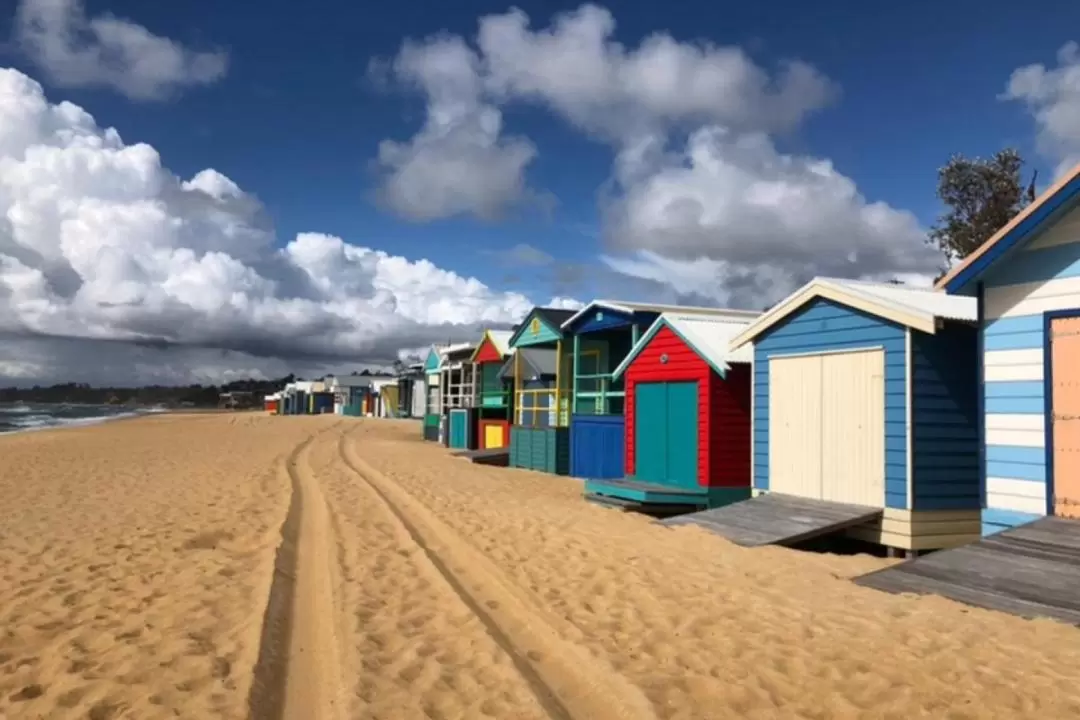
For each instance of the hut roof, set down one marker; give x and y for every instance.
(917, 308)
(709, 335)
(537, 362)
(635, 307)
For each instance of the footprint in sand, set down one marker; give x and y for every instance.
(28, 693)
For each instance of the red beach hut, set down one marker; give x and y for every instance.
(687, 438)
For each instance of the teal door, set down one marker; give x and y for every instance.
(650, 441)
(666, 433)
(458, 427)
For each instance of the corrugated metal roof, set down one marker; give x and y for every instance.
(711, 335)
(554, 317)
(501, 340)
(924, 300)
(445, 350)
(633, 307)
(536, 362)
(708, 334)
(917, 308)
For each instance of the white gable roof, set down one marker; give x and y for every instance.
(501, 340)
(708, 334)
(916, 308)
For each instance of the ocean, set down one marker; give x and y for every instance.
(37, 416)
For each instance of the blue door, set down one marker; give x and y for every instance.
(665, 433)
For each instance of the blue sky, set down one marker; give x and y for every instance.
(297, 118)
(297, 121)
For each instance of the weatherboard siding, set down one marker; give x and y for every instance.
(683, 364)
(545, 334)
(729, 436)
(825, 326)
(945, 419)
(1041, 277)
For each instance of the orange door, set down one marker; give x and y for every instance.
(1065, 405)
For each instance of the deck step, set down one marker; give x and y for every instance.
(611, 502)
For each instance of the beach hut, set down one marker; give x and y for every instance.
(301, 394)
(865, 398)
(288, 399)
(494, 396)
(687, 412)
(348, 392)
(1026, 279)
(602, 334)
(539, 368)
(432, 393)
(410, 391)
(270, 403)
(458, 388)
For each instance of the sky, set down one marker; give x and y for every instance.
(192, 192)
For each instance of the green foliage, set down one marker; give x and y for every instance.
(980, 196)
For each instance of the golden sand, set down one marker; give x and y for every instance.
(137, 563)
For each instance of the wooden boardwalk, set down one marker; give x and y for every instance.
(775, 519)
(499, 457)
(1031, 571)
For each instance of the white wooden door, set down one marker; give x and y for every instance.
(795, 425)
(853, 428)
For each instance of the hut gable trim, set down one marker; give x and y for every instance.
(707, 335)
(1058, 198)
(552, 318)
(914, 308)
(433, 360)
(629, 308)
(498, 340)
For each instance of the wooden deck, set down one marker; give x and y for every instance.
(774, 519)
(630, 494)
(499, 457)
(1032, 571)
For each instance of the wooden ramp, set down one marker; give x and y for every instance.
(1032, 571)
(499, 457)
(774, 519)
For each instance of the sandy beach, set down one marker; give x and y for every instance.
(323, 568)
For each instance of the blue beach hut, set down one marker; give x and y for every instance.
(864, 394)
(1026, 279)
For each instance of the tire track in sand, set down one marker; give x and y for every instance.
(296, 674)
(568, 681)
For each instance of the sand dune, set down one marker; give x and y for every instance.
(137, 564)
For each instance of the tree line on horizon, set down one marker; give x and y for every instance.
(195, 395)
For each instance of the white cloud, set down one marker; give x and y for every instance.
(99, 241)
(458, 164)
(106, 51)
(728, 217)
(1052, 96)
(578, 69)
(731, 219)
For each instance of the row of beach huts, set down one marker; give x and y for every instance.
(932, 417)
(400, 395)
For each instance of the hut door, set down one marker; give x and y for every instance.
(665, 434)
(795, 426)
(1065, 417)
